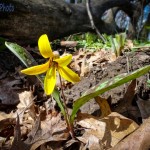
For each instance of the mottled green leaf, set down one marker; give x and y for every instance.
(27, 59)
(106, 86)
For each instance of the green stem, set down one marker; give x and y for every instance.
(69, 124)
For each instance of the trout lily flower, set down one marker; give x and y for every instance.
(54, 63)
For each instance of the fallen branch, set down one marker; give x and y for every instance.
(92, 22)
(27, 20)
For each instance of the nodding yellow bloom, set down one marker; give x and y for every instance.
(54, 63)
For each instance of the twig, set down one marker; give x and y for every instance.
(92, 22)
(128, 65)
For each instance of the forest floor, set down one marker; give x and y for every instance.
(127, 113)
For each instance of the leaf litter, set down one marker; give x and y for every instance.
(41, 125)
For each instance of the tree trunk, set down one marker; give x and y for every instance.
(23, 21)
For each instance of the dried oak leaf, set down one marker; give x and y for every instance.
(17, 143)
(125, 106)
(49, 130)
(6, 124)
(110, 130)
(26, 105)
(138, 140)
(93, 143)
(104, 106)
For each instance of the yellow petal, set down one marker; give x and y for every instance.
(45, 47)
(64, 61)
(50, 80)
(36, 69)
(68, 74)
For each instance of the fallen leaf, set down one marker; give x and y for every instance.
(5, 116)
(46, 131)
(8, 94)
(84, 61)
(110, 130)
(92, 142)
(50, 130)
(129, 95)
(26, 105)
(26, 100)
(138, 140)
(129, 44)
(17, 143)
(104, 106)
(6, 124)
(84, 67)
(73, 143)
(2, 140)
(144, 106)
(125, 106)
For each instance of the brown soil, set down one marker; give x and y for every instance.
(127, 63)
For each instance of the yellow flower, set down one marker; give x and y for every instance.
(54, 63)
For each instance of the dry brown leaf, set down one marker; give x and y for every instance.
(6, 127)
(26, 105)
(84, 67)
(84, 61)
(138, 140)
(104, 106)
(17, 143)
(144, 106)
(125, 106)
(26, 100)
(5, 116)
(129, 44)
(77, 60)
(92, 142)
(112, 57)
(110, 130)
(8, 94)
(50, 130)
(129, 95)
(97, 57)
(6, 121)
(73, 143)
(2, 140)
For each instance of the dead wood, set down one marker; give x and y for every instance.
(24, 21)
